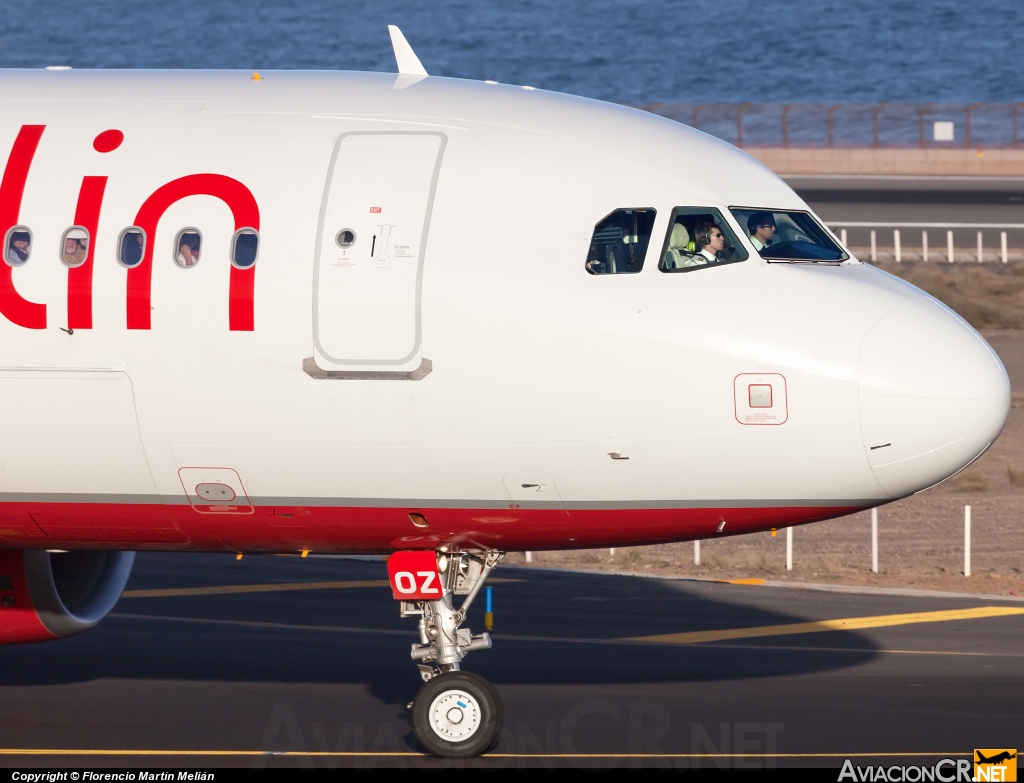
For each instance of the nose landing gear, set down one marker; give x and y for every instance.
(455, 714)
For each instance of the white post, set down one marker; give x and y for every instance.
(842, 236)
(980, 250)
(611, 552)
(874, 247)
(924, 245)
(529, 557)
(696, 552)
(967, 540)
(949, 245)
(896, 244)
(789, 549)
(1002, 244)
(874, 540)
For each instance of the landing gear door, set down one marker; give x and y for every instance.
(371, 246)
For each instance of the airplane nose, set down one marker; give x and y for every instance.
(933, 396)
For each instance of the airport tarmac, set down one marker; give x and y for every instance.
(303, 662)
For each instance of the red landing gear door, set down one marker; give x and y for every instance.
(414, 576)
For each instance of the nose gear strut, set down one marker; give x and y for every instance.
(455, 714)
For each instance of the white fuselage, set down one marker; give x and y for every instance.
(469, 370)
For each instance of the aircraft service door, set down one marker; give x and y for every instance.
(371, 244)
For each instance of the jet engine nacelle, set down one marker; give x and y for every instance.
(50, 595)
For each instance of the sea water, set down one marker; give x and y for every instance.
(631, 51)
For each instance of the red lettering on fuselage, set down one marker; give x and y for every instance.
(242, 282)
(16, 308)
(87, 215)
(31, 315)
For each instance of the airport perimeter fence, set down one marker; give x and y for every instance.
(939, 242)
(854, 125)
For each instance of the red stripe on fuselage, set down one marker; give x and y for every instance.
(246, 213)
(326, 529)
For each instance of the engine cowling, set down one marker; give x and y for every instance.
(51, 595)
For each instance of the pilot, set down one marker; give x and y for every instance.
(20, 248)
(761, 226)
(76, 247)
(711, 241)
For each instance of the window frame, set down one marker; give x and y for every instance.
(847, 256)
(120, 243)
(7, 245)
(740, 247)
(177, 244)
(234, 241)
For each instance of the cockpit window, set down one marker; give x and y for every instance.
(698, 238)
(620, 242)
(788, 236)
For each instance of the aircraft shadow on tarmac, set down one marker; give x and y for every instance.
(299, 636)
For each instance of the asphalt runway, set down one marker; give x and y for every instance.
(285, 661)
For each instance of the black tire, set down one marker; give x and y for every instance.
(451, 726)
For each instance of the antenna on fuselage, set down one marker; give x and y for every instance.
(408, 63)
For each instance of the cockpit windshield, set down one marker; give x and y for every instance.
(788, 236)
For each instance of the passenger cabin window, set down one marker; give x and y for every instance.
(186, 247)
(699, 238)
(74, 246)
(18, 246)
(620, 242)
(788, 235)
(245, 247)
(130, 247)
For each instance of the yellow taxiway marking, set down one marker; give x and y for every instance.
(742, 581)
(818, 626)
(543, 639)
(265, 588)
(382, 754)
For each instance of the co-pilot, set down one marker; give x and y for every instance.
(761, 226)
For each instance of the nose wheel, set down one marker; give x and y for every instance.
(456, 715)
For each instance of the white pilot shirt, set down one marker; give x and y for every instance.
(708, 256)
(758, 244)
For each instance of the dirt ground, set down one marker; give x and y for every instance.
(921, 538)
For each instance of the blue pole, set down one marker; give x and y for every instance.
(488, 608)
